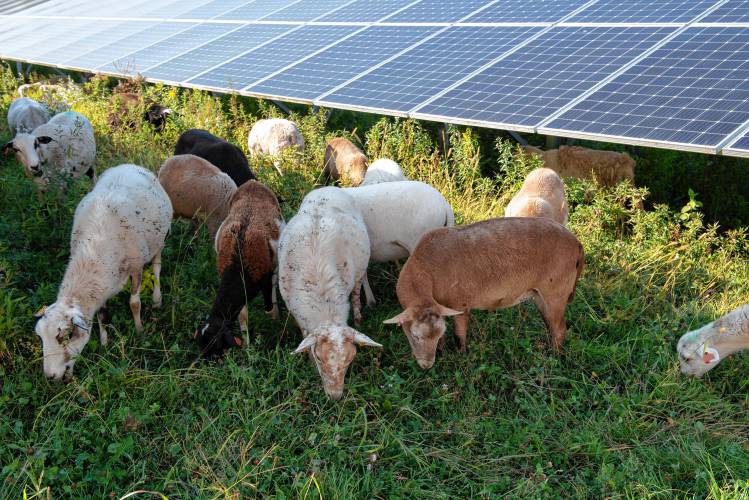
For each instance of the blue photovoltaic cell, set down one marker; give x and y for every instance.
(212, 9)
(741, 145)
(545, 75)
(526, 11)
(255, 10)
(365, 11)
(96, 42)
(196, 61)
(44, 38)
(425, 70)
(437, 11)
(642, 11)
(335, 65)
(140, 61)
(693, 90)
(733, 11)
(175, 9)
(305, 10)
(276, 55)
(131, 42)
(83, 40)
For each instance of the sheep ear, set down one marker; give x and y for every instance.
(362, 340)
(45, 139)
(80, 323)
(407, 315)
(710, 355)
(446, 311)
(40, 312)
(307, 343)
(167, 111)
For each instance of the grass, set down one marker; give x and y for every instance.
(608, 417)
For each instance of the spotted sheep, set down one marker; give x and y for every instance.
(118, 228)
(542, 195)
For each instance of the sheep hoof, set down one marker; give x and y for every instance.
(273, 313)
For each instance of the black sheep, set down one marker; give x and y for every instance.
(223, 154)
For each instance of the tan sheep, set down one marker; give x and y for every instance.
(608, 168)
(542, 195)
(344, 161)
(198, 190)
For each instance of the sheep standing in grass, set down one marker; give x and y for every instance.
(542, 195)
(63, 148)
(198, 190)
(344, 161)
(272, 136)
(246, 260)
(488, 265)
(322, 258)
(125, 103)
(397, 215)
(118, 228)
(608, 168)
(701, 350)
(223, 154)
(383, 170)
(25, 114)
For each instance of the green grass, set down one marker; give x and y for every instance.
(608, 417)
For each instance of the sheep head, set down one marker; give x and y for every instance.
(214, 337)
(424, 326)
(64, 331)
(30, 151)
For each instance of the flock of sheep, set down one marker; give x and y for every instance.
(319, 258)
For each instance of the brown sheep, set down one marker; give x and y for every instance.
(344, 161)
(198, 190)
(488, 265)
(542, 195)
(124, 103)
(608, 168)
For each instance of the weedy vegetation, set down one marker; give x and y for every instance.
(608, 417)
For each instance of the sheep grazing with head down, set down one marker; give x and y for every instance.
(272, 136)
(118, 228)
(25, 114)
(198, 190)
(322, 258)
(223, 154)
(126, 103)
(608, 168)
(383, 170)
(488, 265)
(345, 162)
(246, 260)
(542, 195)
(63, 148)
(701, 350)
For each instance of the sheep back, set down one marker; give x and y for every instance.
(73, 149)
(344, 161)
(271, 136)
(25, 114)
(542, 195)
(221, 153)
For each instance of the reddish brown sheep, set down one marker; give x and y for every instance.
(608, 168)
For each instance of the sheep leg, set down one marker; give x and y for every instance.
(368, 291)
(243, 326)
(461, 329)
(135, 281)
(103, 316)
(553, 314)
(277, 164)
(269, 296)
(156, 263)
(356, 302)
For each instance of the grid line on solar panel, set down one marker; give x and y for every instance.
(367, 10)
(201, 59)
(82, 41)
(732, 11)
(738, 148)
(643, 11)
(335, 65)
(271, 57)
(692, 90)
(45, 37)
(551, 71)
(255, 10)
(307, 10)
(514, 11)
(211, 9)
(429, 67)
(430, 11)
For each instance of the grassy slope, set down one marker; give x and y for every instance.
(609, 417)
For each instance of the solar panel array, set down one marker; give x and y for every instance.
(664, 73)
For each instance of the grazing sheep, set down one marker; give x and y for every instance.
(322, 258)
(344, 161)
(702, 349)
(223, 154)
(272, 136)
(542, 195)
(118, 228)
(488, 265)
(383, 170)
(53, 96)
(125, 103)
(43, 88)
(25, 114)
(62, 148)
(198, 190)
(246, 260)
(608, 168)
(397, 215)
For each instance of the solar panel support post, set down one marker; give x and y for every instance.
(445, 138)
(19, 68)
(552, 142)
(518, 138)
(282, 106)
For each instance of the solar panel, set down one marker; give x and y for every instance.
(526, 11)
(272, 57)
(175, 9)
(196, 61)
(335, 65)
(365, 11)
(693, 90)
(642, 11)
(83, 40)
(733, 11)
(305, 10)
(47, 35)
(545, 75)
(211, 9)
(418, 74)
(739, 148)
(437, 11)
(16, 6)
(253, 11)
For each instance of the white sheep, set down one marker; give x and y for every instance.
(62, 148)
(322, 257)
(118, 228)
(198, 190)
(397, 214)
(542, 195)
(383, 170)
(25, 114)
(701, 350)
(272, 136)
